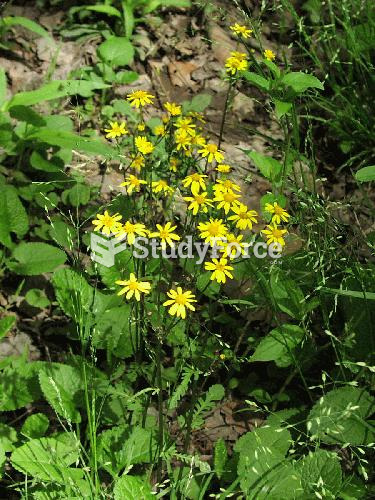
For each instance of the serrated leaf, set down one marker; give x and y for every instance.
(278, 345)
(31, 259)
(8, 436)
(301, 81)
(340, 417)
(13, 216)
(132, 488)
(35, 426)
(19, 385)
(116, 51)
(48, 459)
(321, 468)
(62, 387)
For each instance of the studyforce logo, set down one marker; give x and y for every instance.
(105, 248)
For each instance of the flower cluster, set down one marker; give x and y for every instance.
(175, 156)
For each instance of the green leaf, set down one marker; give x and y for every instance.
(123, 446)
(268, 167)
(37, 298)
(28, 115)
(13, 217)
(116, 336)
(68, 140)
(62, 233)
(198, 104)
(321, 469)
(132, 488)
(256, 80)
(116, 51)
(55, 90)
(340, 417)
(8, 436)
(36, 258)
(26, 23)
(365, 174)
(220, 457)
(48, 458)
(39, 162)
(282, 108)
(19, 385)
(35, 426)
(62, 387)
(273, 67)
(6, 324)
(287, 294)
(301, 81)
(3, 86)
(278, 345)
(102, 9)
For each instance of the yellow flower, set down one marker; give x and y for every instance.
(137, 162)
(243, 217)
(195, 181)
(132, 183)
(173, 108)
(166, 234)
(179, 301)
(198, 202)
(143, 145)
(141, 127)
(107, 223)
(116, 130)
(140, 98)
(234, 64)
(212, 153)
(198, 140)
(226, 200)
(223, 168)
(212, 229)
(241, 56)
(232, 245)
(197, 116)
(165, 119)
(269, 55)
(131, 230)
(274, 234)
(159, 130)
(220, 269)
(226, 185)
(240, 30)
(186, 125)
(162, 186)
(173, 164)
(134, 287)
(279, 214)
(182, 139)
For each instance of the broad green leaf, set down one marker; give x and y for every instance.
(62, 387)
(123, 446)
(77, 195)
(132, 488)
(220, 457)
(19, 385)
(39, 162)
(273, 67)
(62, 233)
(37, 298)
(278, 345)
(36, 258)
(102, 9)
(366, 174)
(35, 426)
(256, 80)
(6, 324)
(301, 81)
(55, 90)
(8, 436)
(268, 167)
(13, 217)
(114, 335)
(26, 23)
(68, 140)
(282, 108)
(198, 104)
(340, 417)
(117, 51)
(321, 469)
(28, 115)
(48, 459)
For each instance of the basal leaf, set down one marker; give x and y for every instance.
(36, 258)
(366, 174)
(117, 51)
(35, 426)
(132, 488)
